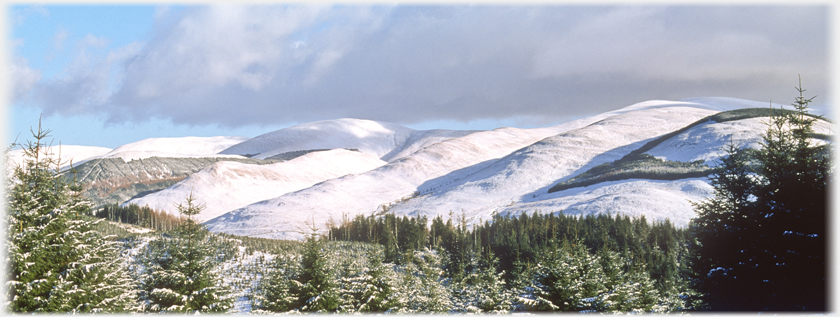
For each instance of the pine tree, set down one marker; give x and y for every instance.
(762, 238)
(376, 290)
(569, 279)
(56, 261)
(482, 289)
(179, 275)
(317, 291)
(276, 292)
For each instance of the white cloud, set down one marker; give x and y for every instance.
(23, 78)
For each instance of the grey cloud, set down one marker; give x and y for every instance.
(251, 65)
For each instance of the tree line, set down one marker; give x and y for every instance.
(145, 216)
(517, 242)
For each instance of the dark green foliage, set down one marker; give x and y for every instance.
(394, 233)
(661, 246)
(643, 166)
(377, 291)
(265, 245)
(761, 240)
(316, 289)
(178, 274)
(573, 279)
(277, 291)
(56, 261)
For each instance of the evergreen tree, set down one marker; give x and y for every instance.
(376, 289)
(317, 290)
(762, 236)
(568, 279)
(482, 289)
(55, 261)
(276, 292)
(179, 275)
(420, 285)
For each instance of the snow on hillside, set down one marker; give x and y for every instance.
(75, 154)
(653, 199)
(436, 165)
(284, 216)
(659, 200)
(175, 147)
(708, 140)
(420, 139)
(225, 186)
(373, 137)
(509, 170)
(530, 171)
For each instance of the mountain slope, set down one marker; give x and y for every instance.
(75, 154)
(509, 171)
(175, 147)
(114, 180)
(373, 137)
(657, 200)
(436, 165)
(227, 185)
(532, 169)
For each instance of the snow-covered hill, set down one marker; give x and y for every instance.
(533, 169)
(228, 185)
(436, 166)
(175, 147)
(347, 167)
(509, 170)
(373, 137)
(67, 154)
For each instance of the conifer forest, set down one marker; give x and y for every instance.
(758, 244)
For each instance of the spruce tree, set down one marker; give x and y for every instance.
(568, 279)
(316, 288)
(762, 238)
(482, 289)
(276, 292)
(179, 275)
(376, 285)
(56, 261)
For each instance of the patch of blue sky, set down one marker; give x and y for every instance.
(46, 38)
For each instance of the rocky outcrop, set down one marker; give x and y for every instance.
(113, 180)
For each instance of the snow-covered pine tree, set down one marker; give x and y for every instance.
(178, 269)
(419, 286)
(56, 261)
(569, 279)
(629, 286)
(482, 289)
(317, 290)
(276, 292)
(377, 287)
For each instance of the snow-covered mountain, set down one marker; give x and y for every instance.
(385, 140)
(227, 185)
(175, 147)
(509, 171)
(67, 154)
(276, 184)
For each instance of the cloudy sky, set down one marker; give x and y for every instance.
(110, 75)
